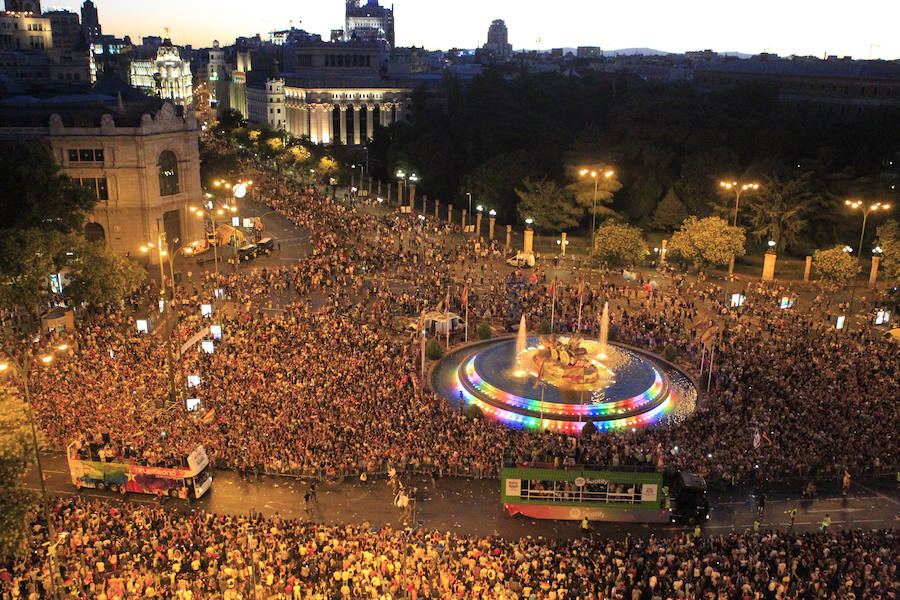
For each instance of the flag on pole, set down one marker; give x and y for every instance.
(210, 416)
(709, 334)
(540, 374)
(756, 438)
(465, 295)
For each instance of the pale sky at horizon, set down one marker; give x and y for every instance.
(784, 27)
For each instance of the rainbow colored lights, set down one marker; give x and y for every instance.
(641, 410)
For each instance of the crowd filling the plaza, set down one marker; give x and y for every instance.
(314, 377)
(116, 551)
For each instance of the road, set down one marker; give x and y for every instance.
(472, 506)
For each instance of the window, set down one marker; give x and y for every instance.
(97, 185)
(168, 173)
(86, 155)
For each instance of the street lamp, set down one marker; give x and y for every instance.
(401, 178)
(23, 371)
(212, 216)
(738, 188)
(595, 175)
(162, 291)
(865, 209)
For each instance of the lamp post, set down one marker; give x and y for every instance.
(469, 212)
(738, 188)
(162, 293)
(401, 183)
(595, 175)
(866, 209)
(23, 370)
(480, 210)
(212, 217)
(492, 220)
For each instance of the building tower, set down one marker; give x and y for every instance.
(90, 23)
(369, 22)
(24, 6)
(497, 39)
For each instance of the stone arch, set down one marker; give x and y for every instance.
(94, 232)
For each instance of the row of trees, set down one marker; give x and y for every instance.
(518, 145)
(712, 241)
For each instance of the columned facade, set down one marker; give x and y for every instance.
(313, 112)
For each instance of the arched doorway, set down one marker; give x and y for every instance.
(94, 232)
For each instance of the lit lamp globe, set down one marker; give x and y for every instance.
(240, 190)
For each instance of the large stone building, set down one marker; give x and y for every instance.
(140, 157)
(498, 40)
(90, 21)
(369, 22)
(37, 48)
(330, 92)
(164, 74)
(837, 86)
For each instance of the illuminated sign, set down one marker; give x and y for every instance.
(216, 331)
(840, 322)
(207, 346)
(737, 300)
(193, 380)
(142, 325)
(193, 404)
(206, 310)
(882, 317)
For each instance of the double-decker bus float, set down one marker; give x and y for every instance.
(90, 468)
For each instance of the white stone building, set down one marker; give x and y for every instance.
(166, 75)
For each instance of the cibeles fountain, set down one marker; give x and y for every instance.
(562, 382)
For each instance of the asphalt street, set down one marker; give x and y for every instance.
(472, 506)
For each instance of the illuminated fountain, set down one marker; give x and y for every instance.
(521, 339)
(561, 382)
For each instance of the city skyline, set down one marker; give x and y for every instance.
(700, 24)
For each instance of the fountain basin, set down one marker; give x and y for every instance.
(635, 389)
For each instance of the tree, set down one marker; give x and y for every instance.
(433, 349)
(670, 212)
(780, 209)
(27, 259)
(16, 502)
(584, 177)
(619, 244)
(550, 207)
(327, 167)
(484, 331)
(709, 241)
(889, 242)
(33, 193)
(229, 120)
(834, 265)
(97, 276)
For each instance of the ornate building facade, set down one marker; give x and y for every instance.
(144, 167)
(166, 75)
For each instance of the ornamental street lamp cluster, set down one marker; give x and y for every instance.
(738, 188)
(866, 210)
(595, 175)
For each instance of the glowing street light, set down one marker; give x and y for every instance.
(596, 177)
(866, 209)
(738, 188)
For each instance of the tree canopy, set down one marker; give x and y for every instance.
(548, 204)
(709, 241)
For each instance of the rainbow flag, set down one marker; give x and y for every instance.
(210, 416)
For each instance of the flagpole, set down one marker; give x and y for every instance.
(702, 357)
(422, 342)
(467, 321)
(552, 303)
(447, 317)
(580, 299)
(712, 358)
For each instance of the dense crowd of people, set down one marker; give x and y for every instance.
(314, 377)
(124, 552)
